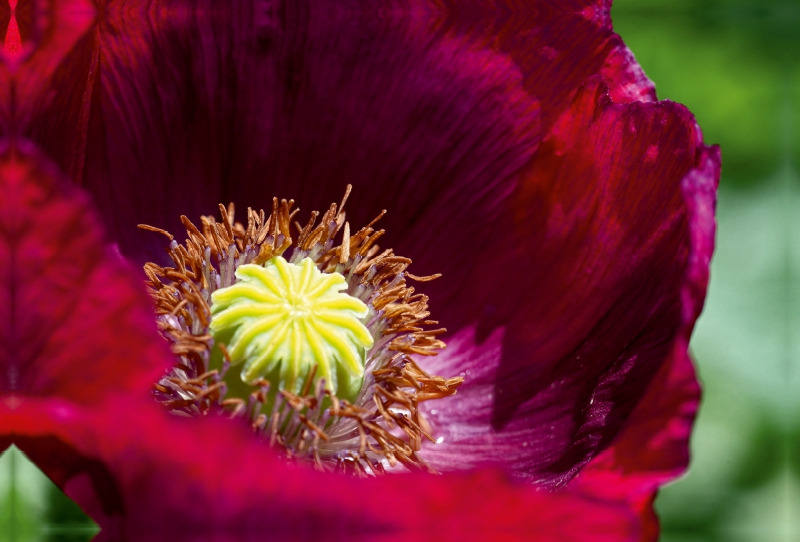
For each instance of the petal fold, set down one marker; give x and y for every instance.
(594, 275)
(653, 446)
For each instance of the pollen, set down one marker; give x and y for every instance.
(285, 319)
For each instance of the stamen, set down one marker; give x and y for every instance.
(333, 326)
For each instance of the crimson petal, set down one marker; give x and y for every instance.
(652, 447)
(196, 105)
(60, 337)
(423, 107)
(596, 271)
(143, 474)
(46, 32)
(150, 477)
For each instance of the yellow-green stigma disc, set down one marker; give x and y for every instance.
(282, 319)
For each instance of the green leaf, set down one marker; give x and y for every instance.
(33, 509)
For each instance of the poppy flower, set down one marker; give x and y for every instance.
(523, 157)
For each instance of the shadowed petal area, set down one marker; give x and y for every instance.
(196, 104)
(60, 336)
(653, 446)
(597, 269)
(424, 107)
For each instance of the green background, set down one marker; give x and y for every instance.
(736, 65)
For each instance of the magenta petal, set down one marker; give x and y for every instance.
(48, 30)
(425, 108)
(595, 271)
(154, 477)
(652, 447)
(557, 45)
(71, 311)
(626, 80)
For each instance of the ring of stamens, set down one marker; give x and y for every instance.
(382, 426)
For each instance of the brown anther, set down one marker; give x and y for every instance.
(191, 229)
(260, 422)
(309, 380)
(347, 190)
(157, 230)
(210, 390)
(224, 350)
(314, 427)
(179, 306)
(344, 254)
(226, 220)
(178, 403)
(423, 279)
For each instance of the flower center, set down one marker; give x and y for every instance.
(281, 320)
(318, 341)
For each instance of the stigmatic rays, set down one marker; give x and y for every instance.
(307, 338)
(281, 320)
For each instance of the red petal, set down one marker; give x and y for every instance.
(152, 477)
(592, 276)
(653, 446)
(144, 474)
(12, 44)
(72, 313)
(556, 44)
(246, 105)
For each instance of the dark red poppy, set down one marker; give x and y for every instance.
(519, 151)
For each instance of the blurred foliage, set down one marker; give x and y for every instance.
(744, 480)
(733, 63)
(33, 509)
